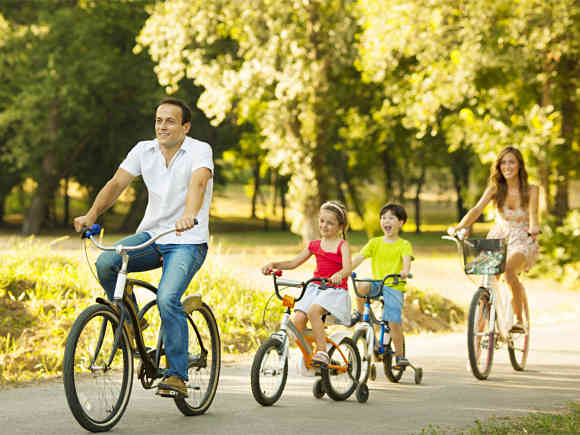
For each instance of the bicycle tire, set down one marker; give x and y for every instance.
(479, 346)
(360, 341)
(340, 385)
(519, 343)
(97, 404)
(392, 372)
(204, 350)
(267, 363)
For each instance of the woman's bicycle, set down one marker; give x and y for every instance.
(372, 350)
(270, 367)
(98, 366)
(491, 315)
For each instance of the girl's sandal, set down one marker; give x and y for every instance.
(320, 359)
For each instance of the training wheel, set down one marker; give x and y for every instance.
(362, 393)
(317, 389)
(418, 375)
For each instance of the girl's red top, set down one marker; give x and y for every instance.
(327, 263)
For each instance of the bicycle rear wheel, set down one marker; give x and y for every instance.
(339, 385)
(97, 392)
(204, 351)
(393, 372)
(269, 372)
(519, 342)
(480, 337)
(360, 341)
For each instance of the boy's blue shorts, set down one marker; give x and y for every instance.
(393, 301)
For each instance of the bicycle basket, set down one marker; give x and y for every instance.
(484, 256)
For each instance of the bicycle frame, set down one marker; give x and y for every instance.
(500, 299)
(124, 306)
(304, 339)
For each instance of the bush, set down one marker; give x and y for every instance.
(559, 253)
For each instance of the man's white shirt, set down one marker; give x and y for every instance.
(168, 187)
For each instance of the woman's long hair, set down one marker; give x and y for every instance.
(498, 180)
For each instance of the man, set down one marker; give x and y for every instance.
(178, 173)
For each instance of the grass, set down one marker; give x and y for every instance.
(535, 423)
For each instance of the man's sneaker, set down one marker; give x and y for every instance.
(171, 386)
(401, 361)
(355, 318)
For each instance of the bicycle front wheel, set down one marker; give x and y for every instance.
(480, 336)
(204, 351)
(366, 356)
(340, 384)
(98, 376)
(269, 372)
(393, 372)
(519, 342)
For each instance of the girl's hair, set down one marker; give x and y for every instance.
(498, 180)
(339, 211)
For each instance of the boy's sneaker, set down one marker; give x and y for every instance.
(355, 318)
(401, 361)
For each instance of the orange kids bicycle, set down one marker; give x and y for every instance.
(270, 367)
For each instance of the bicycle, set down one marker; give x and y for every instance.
(98, 366)
(366, 342)
(270, 366)
(491, 314)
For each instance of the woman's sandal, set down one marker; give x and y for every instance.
(320, 359)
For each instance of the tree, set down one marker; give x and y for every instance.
(283, 61)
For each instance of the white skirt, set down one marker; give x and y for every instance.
(334, 300)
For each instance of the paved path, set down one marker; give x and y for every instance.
(449, 396)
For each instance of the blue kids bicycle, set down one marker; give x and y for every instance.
(370, 349)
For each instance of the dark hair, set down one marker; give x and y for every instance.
(339, 211)
(498, 180)
(396, 209)
(185, 110)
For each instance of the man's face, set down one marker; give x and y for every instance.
(169, 130)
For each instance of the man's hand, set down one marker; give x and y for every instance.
(81, 222)
(184, 223)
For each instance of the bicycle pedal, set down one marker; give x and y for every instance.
(169, 393)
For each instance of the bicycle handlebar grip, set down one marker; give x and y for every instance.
(93, 231)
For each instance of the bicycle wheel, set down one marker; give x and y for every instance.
(366, 358)
(268, 378)
(392, 372)
(204, 351)
(519, 342)
(480, 338)
(97, 392)
(339, 385)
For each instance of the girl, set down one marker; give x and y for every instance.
(333, 261)
(516, 220)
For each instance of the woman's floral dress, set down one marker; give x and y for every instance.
(512, 225)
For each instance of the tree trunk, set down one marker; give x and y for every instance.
(48, 179)
(66, 204)
(47, 184)
(256, 192)
(420, 183)
(388, 170)
(566, 163)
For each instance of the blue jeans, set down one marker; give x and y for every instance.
(180, 264)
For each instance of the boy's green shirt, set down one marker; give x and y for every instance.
(387, 258)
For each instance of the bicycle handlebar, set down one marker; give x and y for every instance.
(90, 233)
(276, 274)
(394, 276)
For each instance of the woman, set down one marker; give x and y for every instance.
(516, 221)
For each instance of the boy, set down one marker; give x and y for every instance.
(389, 254)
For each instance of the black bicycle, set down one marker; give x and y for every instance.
(98, 366)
